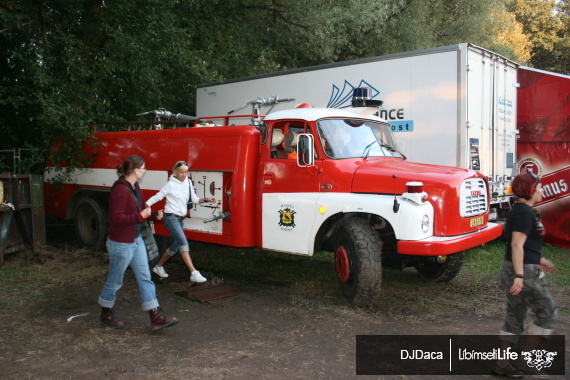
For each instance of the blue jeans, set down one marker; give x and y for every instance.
(121, 256)
(178, 241)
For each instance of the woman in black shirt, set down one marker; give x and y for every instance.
(522, 275)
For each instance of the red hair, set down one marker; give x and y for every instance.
(524, 184)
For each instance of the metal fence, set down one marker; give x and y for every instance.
(11, 159)
(22, 213)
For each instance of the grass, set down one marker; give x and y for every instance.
(486, 259)
(311, 273)
(312, 277)
(476, 289)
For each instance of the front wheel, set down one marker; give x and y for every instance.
(358, 261)
(90, 223)
(443, 272)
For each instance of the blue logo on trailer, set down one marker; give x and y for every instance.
(343, 98)
(505, 102)
(402, 125)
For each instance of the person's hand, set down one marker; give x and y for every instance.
(517, 286)
(546, 265)
(211, 200)
(146, 212)
(160, 215)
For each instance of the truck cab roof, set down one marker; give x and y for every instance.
(313, 114)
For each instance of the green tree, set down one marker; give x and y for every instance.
(257, 36)
(561, 53)
(508, 37)
(543, 23)
(66, 65)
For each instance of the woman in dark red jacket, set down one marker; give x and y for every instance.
(126, 247)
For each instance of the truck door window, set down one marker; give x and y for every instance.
(352, 138)
(277, 144)
(287, 148)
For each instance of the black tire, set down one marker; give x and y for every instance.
(358, 260)
(443, 272)
(90, 221)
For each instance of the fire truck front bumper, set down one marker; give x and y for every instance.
(447, 245)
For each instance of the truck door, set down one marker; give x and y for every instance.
(288, 193)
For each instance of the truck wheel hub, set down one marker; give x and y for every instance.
(342, 264)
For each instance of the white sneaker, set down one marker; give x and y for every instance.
(160, 271)
(197, 277)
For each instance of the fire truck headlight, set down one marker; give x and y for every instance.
(425, 224)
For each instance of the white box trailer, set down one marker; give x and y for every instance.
(452, 105)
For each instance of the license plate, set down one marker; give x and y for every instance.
(476, 221)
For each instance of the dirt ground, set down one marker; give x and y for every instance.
(262, 333)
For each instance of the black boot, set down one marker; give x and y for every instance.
(108, 318)
(159, 321)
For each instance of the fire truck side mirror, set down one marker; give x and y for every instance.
(305, 150)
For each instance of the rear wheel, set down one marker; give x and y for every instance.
(90, 223)
(358, 261)
(443, 272)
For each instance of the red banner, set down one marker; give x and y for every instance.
(556, 185)
(543, 118)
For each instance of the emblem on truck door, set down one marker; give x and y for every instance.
(287, 218)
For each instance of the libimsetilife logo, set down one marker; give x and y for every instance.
(452, 355)
(539, 359)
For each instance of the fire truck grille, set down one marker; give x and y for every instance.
(473, 197)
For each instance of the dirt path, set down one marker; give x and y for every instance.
(260, 334)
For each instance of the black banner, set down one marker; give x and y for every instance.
(453, 355)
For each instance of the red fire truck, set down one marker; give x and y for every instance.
(298, 181)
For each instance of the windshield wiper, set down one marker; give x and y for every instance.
(393, 150)
(366, 151)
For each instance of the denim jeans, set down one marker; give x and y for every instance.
(178, 241)
(121, 256)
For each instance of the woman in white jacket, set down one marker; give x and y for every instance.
(178, 191)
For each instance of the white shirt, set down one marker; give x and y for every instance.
(177, 194)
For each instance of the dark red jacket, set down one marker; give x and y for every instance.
(124, 214)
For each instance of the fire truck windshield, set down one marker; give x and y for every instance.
(353, 138)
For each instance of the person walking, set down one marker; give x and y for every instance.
(126, 246)
(522, 276)
(178, 191)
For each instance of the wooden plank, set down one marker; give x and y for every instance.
(209, 293)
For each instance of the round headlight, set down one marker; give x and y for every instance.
(425, 224)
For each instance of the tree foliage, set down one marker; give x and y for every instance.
(546, 24)
(507, 36)
(68, 65)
